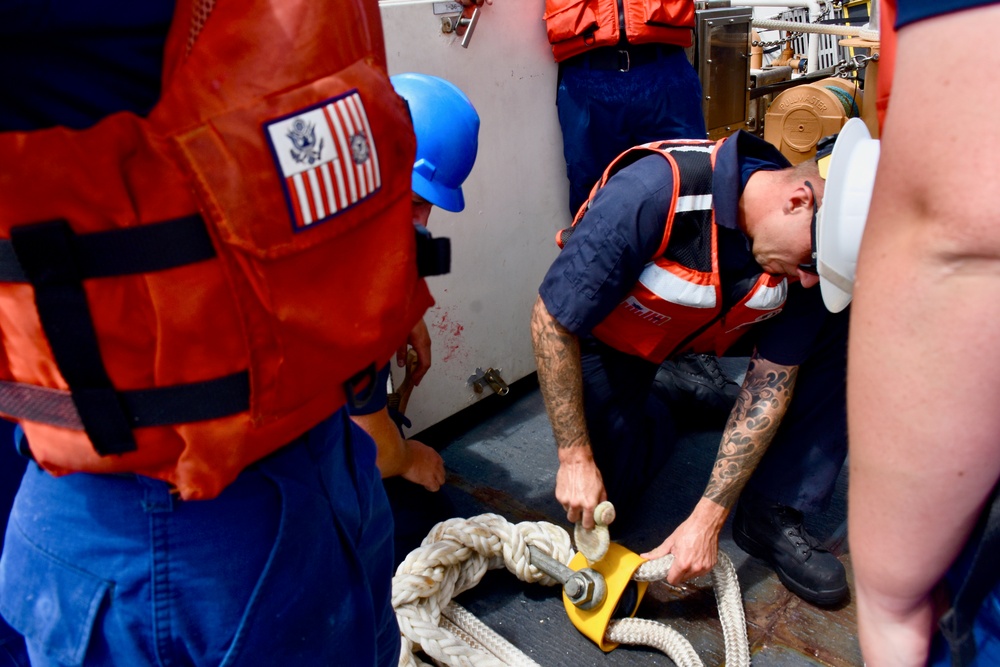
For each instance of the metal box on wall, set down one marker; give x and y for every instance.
(723, 62)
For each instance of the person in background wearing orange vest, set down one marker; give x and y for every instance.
(924, 514)
(447, 130)
(625, 79)
(206, 250)
(689, 247)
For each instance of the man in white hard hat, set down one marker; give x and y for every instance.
(731, 229)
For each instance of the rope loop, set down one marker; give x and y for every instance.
(457, 553)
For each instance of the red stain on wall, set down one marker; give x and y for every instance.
(452, 332)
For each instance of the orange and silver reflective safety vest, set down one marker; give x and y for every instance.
(575, 26)
(184, 294)
(677, 305)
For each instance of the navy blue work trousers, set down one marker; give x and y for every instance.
(604, 111)
(13, 652)
(632, 430)
(290, 565)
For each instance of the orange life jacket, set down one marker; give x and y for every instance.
(184, 294)
(575, 26)
(676, 306)
(886, 57)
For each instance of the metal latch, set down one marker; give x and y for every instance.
(491, 377)
(461, 25)
(851, 66)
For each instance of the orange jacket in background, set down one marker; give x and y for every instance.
(575, 26)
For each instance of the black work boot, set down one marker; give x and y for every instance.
(775, 534)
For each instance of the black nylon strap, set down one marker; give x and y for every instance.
(118, 252)
(161, 406)
(56, 261)
(45, 253)
(433, 255)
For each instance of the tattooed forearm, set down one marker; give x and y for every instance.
(763, 401)
(560, 377)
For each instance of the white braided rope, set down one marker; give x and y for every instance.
(868, 34)
(818, 28)
(459, 621)
(728, 596)
(457, 553)
(644, 632)
(452, 559)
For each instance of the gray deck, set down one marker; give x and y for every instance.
(501, 458)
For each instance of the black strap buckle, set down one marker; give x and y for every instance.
(360, 387)
(624, 60)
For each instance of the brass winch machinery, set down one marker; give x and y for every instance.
(799, 117)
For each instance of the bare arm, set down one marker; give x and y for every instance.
(410, 459)
(759, 409)
(579, 486)
(923, 359)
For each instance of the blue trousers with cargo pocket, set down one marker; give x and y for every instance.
(290, 565)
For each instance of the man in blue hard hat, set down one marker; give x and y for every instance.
(446, 125)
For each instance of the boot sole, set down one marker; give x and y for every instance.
(759, 551)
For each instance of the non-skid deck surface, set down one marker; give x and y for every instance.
(501, 458)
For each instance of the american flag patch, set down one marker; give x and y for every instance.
(633, 306)
(326, 157)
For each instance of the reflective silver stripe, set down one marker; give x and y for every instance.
(841, 282)
(687, 149)
(694, 203)
(674, 289)
(769, 298)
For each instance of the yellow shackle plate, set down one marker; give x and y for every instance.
(617, 567)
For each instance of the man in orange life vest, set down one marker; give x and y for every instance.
(924, 500)
(697, 246)
(206, 233)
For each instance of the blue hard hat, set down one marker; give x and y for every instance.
(447, 129)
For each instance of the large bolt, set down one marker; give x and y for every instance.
(580, 590)
(585, 588)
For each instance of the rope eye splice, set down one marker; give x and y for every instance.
(602, 586)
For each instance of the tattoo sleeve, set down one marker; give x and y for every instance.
(560, 377)
(762, 403)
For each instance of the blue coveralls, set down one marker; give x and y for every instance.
(290, 565)
(630, 429)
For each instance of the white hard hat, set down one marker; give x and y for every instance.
(850, 177)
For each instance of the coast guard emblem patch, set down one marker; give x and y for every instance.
(326, 158)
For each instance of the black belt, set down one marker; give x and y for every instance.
(620, 58)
